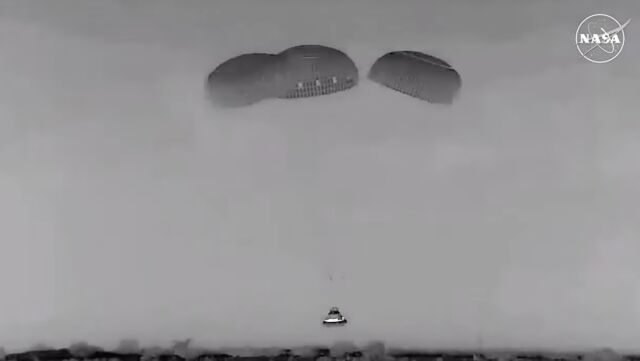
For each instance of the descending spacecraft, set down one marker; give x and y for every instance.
(334, 318)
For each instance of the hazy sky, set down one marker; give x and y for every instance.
(131, 207)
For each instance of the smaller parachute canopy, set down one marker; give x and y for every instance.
(243, 80)
(418, 75)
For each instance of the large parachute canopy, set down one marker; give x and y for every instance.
(418, 75)
(298, 72)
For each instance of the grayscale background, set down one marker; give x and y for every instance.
(131, 207)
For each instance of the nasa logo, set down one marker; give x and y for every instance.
(600, 38)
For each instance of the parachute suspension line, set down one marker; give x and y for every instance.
(327, 253)
(331, 273)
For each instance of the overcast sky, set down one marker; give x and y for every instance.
(132, 207)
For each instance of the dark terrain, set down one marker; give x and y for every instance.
(373, 352)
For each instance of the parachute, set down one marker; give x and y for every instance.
(243, 80)
(298, 72)
(312, 70)
(418, 75)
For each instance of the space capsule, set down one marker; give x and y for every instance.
(334, 318)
